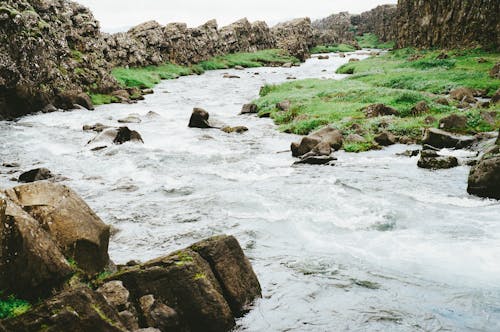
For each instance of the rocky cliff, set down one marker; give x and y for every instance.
(334, 29)
(380, 21)
(50, 52)
(448, 24)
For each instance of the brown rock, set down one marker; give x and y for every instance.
(77, 230)
(355, 138)
(495, 99)
(375, 110)
(442, 139)
(442, 101)
(37, 174)
(237, 129)
(453, 122)
(430, 120)
(385, 138)
(284, 105)
(484, 178)
(431, 160)
(79, 309)
(420, 108)
(463, 95)
(31, 264)
(98, 127)
(353, 60)
(306, 144)
(124, 134)
(199, 119)
(158, 315)
(495, 71)
(115, 294)
(249, 109)
(331, 136)
(323, 57)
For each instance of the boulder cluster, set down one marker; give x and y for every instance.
(54, 251)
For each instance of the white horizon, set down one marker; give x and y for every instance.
(120, 15)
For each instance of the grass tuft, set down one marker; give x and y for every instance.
(332, 48)
(12, 307)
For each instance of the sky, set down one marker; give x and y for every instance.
(119, 15)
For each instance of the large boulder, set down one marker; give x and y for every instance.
(185, 282)
(37, 174)
(80, 309)
(453, 122)
(31, 263)
(484, 177)
(232, 269)
(158, 315)
(116, 136)
(199, 119)
(73, 225)
(442, 139)
(385, 138)
(306, 145)
(319, 143)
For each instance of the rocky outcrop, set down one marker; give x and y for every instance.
(448, 24)
(484, 177)
(319, 143)
(380, 21)
(442, 139)
(334, 29)
(430, 159)
(51, 52)
(295, 36)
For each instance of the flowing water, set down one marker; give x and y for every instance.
(370, 244)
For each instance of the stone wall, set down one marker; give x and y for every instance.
(448, 24)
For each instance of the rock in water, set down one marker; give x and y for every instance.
(124, 134)
(379, 110)
(315, 160)
(199, 119)
(432, 160)
(77, 230)
(442, 139)
(237, 129)
(484, 177)
(249, 109)
(31, 263)
(37, 174)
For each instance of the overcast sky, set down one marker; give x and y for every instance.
(116, 15)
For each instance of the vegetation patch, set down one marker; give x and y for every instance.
(371, 40)
(392, 80)
(12, 307)
(273, 57)
(332, 48)
(102, 99)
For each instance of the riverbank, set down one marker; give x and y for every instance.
(414, 85)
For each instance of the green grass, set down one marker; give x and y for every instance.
(12, 307)
(148, 77)
(249, 60)
(101, 99)
(391, 80)
(370, 40)
(332, 48)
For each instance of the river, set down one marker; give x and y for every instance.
(371, 244)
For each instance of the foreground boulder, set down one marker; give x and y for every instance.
(31, 263)
(78, 231)
(116, 136)
(80, 309)
(484, 177)
(442, 139)
(199, 119)
(249, 109)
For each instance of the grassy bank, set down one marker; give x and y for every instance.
(392, 80)
(332, 48)
(148, 77)
(370, 40)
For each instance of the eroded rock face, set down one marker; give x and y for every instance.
(429, 23)
(31, 263)
(295, 36)
(381, 21)
(334, 29)
(484, 177)
(78, 231)
(79, 309)
(50, 52)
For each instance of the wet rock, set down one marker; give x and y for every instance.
(353, 60)
(98, 127)
(284, 105)
(124, 134)
(239, 68)
(287, 65)
(115, 294)
(432, 160)
(409, 153)
(442, 101)
(131, 118)
(495, 71)
(237, 129)
(249, 109)
(152, 115)
(11, 165)
(453, 122)
(323, 57)
(49, 109)
(148, 91)
(420, 108)
(331, 136)
(463, 95)
(230, 76)
(315, 160)
(31, 264)
(385, 138)
(37, 174)
(379, 110)
(291, 78)
(122, 95)
(232, 269)
(77, 230)
(186, 282)
(484, 177)
(158, 315)
(68, 99)
(322, 149)
(442, 139)
(199, 119)
(79, 309)
(306, 144)
(342, 55)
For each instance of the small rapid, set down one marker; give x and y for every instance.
(371, 244)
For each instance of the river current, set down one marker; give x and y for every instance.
(371, 244)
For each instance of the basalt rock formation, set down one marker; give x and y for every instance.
(380, 21)
(448, 24)
(51, 51)
(295, 36)
(334, 29)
